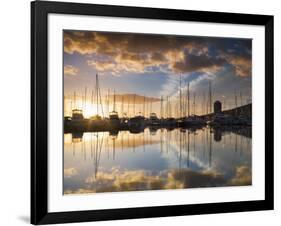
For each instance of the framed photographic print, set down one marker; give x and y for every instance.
(145, 112)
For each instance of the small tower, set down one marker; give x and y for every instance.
(217, 107)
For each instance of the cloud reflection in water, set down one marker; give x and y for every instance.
(165, 160)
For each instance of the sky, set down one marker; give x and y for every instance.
(146, 67)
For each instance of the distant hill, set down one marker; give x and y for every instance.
(245, 110)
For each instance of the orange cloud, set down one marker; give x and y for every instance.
(69, 172)
(102, 65)
(70, 70)
(134, 98)
(243, 176)
(242, 65)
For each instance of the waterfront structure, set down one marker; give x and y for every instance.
(217, 107)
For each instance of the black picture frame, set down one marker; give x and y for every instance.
(39, 112)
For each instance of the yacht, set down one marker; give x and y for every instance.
(194, 120)
(114, 121)
(153, 120)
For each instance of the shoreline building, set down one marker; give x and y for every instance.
(217, 107)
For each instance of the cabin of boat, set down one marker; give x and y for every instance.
(77, 115)
(137, 121)
(113, 116)
(124, 119)
(114, 119)
(169, 121)
(221, 119)
(194, 120)
(153, 119)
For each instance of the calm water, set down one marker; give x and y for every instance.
(156, 159)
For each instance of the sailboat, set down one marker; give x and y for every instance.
(170, 121)
(153, 120)
(98, 101)
(124, 117)
(97, 121)
(77, 121)
(137, 122)
(193, 120)
(77, 114)
(114, 120)
(180, 120)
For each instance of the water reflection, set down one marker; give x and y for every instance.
(156, 159)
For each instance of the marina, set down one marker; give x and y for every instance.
(130, 120)
(139, 148)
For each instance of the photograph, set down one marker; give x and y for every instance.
(146, 112)
(140, 112)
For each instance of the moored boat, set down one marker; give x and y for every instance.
(114, 121)
(153, 120)
(194, 120)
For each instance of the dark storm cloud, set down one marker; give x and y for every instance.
(203, 62)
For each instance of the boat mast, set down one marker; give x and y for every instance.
(224, 103)
(74, 100)
(180, 99)
(241, 103)
(71, 107)
(235, 96)
(167, 107)
(82, 101)
(134, 104)
(122, 106)
(108, 95)
(85, 99)
(185, 101)
(150, 106)
(92, 100)
(203, 104)
(128, 106)
(210, 97)
(161, 107)
(194, 103)
(188, 101)
(97, 94)
(114, 100)
(64, 107)
(143, 106)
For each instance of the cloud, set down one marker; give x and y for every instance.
(118, 180)
(199, 63)
(243, 176)
(105, 65)
(70, 70)
(128, 62)
(69, 172)
(242, 65)
(186, 178)
(118, 53)
(134, 98)
(81, 42)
